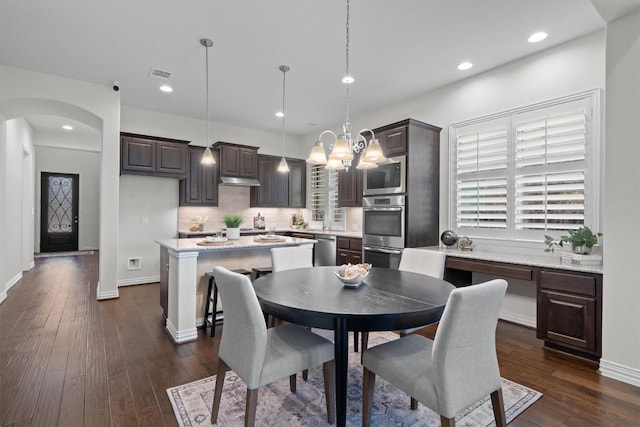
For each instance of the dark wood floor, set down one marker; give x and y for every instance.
(69, 360)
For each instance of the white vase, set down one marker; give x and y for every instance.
(233, 233)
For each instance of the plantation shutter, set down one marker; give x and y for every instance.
(481, 178)
(550, 153)
(317, 193)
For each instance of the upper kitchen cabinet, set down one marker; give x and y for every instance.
(200, 186)
(350, 186)
(240, 161)
(393, 141)
(278, 189)
(151, 155)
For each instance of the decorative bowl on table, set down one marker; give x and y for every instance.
(353, 275)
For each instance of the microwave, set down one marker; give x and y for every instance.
(388, 178)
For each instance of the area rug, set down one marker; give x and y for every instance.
(277, 406)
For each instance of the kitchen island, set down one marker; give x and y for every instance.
(184, 263)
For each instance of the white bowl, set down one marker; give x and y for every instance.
(352, 282)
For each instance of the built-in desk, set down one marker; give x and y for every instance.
(568, 297)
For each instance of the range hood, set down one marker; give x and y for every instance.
(238, 182)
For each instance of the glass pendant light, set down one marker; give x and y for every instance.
(283, 167)
(207, 156)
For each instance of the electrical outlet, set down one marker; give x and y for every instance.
(134, 263)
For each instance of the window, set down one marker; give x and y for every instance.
(323, 196)
(518, 174)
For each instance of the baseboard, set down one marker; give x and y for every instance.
(138, 281)
(620, 372)
(11, 283)
(107, 295)
(518, 319)
(3, 296)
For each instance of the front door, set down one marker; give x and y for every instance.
(59, 212)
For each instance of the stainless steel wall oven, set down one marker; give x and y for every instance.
(384, 229)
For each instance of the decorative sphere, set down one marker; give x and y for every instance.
(449, 238)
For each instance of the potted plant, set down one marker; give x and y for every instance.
(233, 226)
(581, 240)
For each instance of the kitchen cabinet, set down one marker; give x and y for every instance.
(239, 161)
(200, 186)
(349, 250)
(153, 156)
(278, 189)
(393, 141)
(569, 312)
(350, 186)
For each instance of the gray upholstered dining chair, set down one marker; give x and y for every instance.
(456, 369)
(260, 356)
(421, 261)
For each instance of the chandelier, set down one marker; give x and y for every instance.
(344, 146)
(207, 156)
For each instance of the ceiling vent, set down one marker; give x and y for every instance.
(159, 73)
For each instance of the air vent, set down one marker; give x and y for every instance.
(159, 73)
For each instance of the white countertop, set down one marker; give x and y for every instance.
(548, 260)
(245, 242)
(341, 233)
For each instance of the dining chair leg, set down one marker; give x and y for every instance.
(217, 394)
(368, 388)
(447, 422)
(365, 344)
(292, 383)
(498, 408)
(356, 338)
(414, 404)
(329, 376)
(250, 410)
(305, 375)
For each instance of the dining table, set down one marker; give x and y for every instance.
(386, 300)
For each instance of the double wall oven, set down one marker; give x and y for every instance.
(384, 229)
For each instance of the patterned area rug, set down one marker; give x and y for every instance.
(277, 406)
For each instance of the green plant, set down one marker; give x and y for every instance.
(232, 221)
(583, 236)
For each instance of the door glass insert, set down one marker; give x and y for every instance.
(60, 204)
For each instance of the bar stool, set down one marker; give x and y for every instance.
(214, 299)
(260, 271)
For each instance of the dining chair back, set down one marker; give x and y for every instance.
(457, 368)
(423, 261)
(260, 356)
(291, 257)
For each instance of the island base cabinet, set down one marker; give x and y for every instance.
(569, 311)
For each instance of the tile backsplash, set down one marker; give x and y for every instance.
(235, 200)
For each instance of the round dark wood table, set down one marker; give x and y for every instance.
(387, 300)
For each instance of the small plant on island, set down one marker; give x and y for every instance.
(232, 221)
(581, 240)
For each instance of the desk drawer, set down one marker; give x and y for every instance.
(513, 271)
(568, 282)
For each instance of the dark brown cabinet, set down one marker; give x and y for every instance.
(569, 312)
(278, 189)
(200, 186)
(393, 141)
(151, 155)
(349, 250)
(239, 161)
(350, 186)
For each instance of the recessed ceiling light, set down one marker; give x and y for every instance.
(166, 88)
(537, 37)
(279, 114)
(67, 127)
(465, 66)
(348, 80)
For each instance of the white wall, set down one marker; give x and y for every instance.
(87, 165)
(621, 316)
(572, 67)
(24, 93)
(148, 212)
(16, 166)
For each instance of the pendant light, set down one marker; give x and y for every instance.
(344, 146)
(283, 167)
(207, 156)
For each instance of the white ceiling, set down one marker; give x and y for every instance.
(399, 49)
